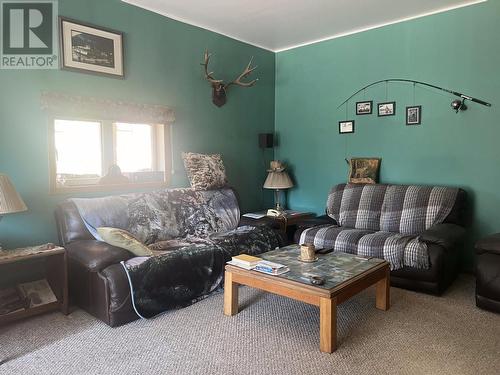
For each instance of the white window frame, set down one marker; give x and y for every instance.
(108, 155)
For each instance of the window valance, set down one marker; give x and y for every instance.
(105, 109)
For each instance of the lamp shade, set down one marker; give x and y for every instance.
(278, 180)
(10, 200)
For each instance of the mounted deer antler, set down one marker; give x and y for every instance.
(219, 89)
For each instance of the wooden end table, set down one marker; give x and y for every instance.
(327, 298)
(55, 272)
(286, 223)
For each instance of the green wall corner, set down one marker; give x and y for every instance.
(458, 50)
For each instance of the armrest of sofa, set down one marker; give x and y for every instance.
(269, 221)
(95, 255)
(445, 235)
(309, 223)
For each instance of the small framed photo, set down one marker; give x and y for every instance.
(346, 127)
(386, 109)
(91, 49)
(364, 108)
(413, 115)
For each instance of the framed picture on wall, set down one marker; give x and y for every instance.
(364, 170)
(386, 109)
(91, 49)
(346, 127)
(364, 108)
(414, 115)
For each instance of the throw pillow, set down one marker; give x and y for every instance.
(205, 172)
(122, 238)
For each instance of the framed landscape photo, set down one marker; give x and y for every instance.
(91, 49)
(364, 108)
(414, 115)
(386, 109)
(346, 127)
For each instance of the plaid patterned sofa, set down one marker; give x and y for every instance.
(418, 229)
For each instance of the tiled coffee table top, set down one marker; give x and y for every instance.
(335, 267)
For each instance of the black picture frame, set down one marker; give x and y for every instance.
(118, 68)
(366, 102)
(346, 122)
(410, 120)
(379, 105)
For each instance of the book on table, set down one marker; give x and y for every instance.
(255, 215)
(271, 268)
(245, 261)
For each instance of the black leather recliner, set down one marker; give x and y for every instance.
(488, 273)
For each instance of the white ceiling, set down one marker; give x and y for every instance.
(278, 25)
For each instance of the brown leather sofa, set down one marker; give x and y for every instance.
(97, 281)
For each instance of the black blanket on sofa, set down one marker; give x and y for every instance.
(178, 278)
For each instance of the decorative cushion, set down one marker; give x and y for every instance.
(205, 172)
(122, 238)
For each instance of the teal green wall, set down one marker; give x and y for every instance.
(162, 63)
(458, 49)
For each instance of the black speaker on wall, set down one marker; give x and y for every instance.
(266, 140)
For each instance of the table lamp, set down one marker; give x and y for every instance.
(277, 179)
(10, 201)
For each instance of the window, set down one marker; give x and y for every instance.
(94, 155)
(134, 147)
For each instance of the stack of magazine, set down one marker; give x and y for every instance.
(250, 262)
(25, 296)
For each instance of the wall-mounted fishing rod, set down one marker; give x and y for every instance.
(457, 104)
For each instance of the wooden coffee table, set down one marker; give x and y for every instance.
(345, 274)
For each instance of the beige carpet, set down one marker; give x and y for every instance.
(420, 334)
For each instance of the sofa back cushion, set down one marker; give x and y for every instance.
(356, 205)
(404, 209)
(152, 216)
(413, 209)
(70, 226)
(201, 213)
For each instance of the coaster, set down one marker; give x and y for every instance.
(309, 260)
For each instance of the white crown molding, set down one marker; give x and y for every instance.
(377, 26)
(186, 21)
(335, 36)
